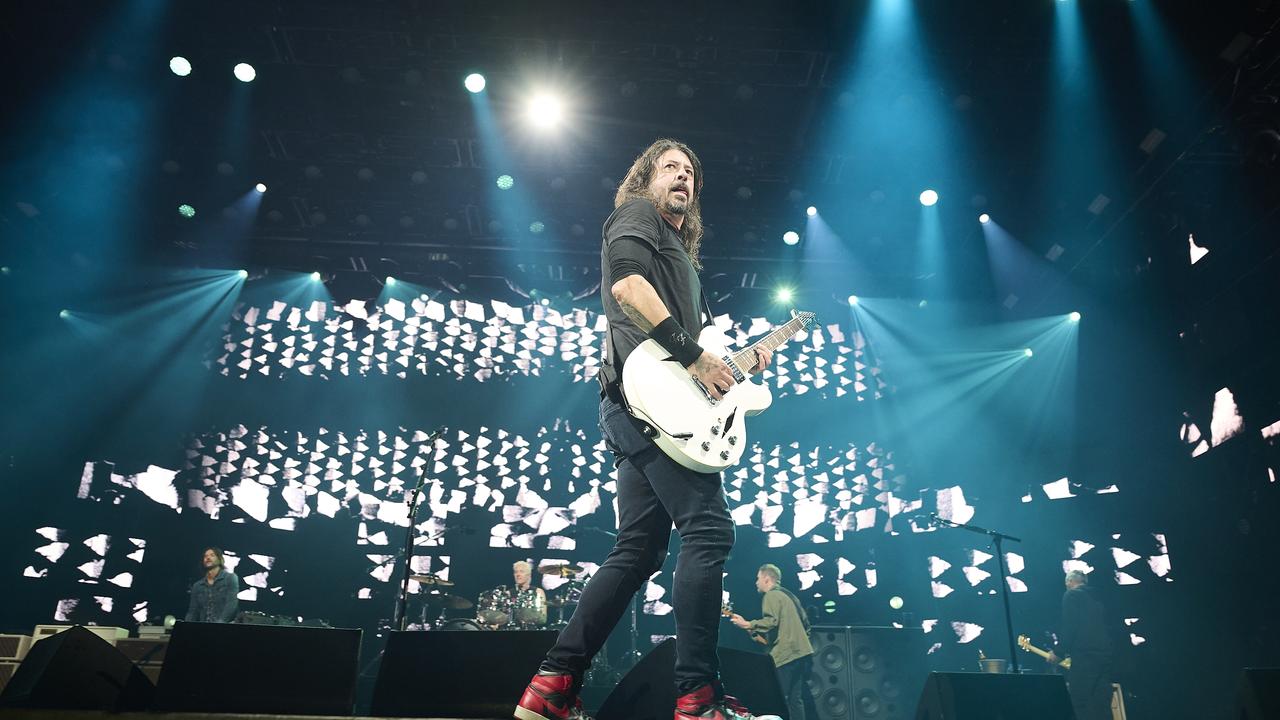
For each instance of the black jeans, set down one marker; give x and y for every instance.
(794, 678)
(1089, 684)
(655, 492)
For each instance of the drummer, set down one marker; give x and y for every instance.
(522, 573)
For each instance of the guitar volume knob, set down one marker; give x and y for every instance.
(724, 454)
(715, 430)
(706, 446)
(733, 439)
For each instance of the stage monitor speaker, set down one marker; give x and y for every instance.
(648, 691)
(987, 696)
(227, 668)
(1260, 694)
(457, 674)
(77, 670)
(866, 672)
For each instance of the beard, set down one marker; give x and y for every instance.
(675, 205)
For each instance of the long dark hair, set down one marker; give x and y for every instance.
(636, 185)
(217, 551)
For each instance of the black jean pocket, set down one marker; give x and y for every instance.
(622, 433)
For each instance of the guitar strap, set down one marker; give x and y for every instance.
(804, 616)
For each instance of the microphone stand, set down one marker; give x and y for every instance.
(997, 538)
(402, 599)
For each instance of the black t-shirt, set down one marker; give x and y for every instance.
(637, 239)
(1084, 624)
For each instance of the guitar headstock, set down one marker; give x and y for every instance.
(1024, 642)
(807, 319)
(726, 609)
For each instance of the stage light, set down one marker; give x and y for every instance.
(186, 211)
(853, 299)
(1028, 352)
(811, 211)
(64, 314)
(984, 218)
(895, 602)
(260, 187)
(783, 294)
(929, 198)
(244, 72)
(474, 83)
(544, 111)
(790, 237)
(243, 274)
(180, 66)
(315, 277)
(545, 301)
(1074, 317)
(536, 227)
(506, 182)
(391, 282)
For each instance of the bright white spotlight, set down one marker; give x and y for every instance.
(180, 66)
(853, 299)
(260, 187)
(1027, 352)
(811, 211)
(1074, 317)
(391, 281)
(474, 83)
(315, 276)
(244, 72)
(929, 198)
(64, 314)
(791, 237)
(984, 218)
(783, 294)
(544, 111)
(243, 274)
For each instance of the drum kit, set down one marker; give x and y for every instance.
(502, 608)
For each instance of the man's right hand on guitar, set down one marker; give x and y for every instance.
(713, 373)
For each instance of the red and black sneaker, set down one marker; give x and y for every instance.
(710, 703)
(550, 696)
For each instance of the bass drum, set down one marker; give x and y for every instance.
(461, 624)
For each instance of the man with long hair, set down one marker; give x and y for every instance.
(213, 597)
(650, 289)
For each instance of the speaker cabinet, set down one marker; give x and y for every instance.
(457, 674)
(225, 668)
(987, 696)
(648, 692)
(76, 669)
(872, 673)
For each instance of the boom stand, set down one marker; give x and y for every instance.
(402, 599)
(997, 538)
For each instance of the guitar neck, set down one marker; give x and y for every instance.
(770, 342)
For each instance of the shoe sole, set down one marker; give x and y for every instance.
(524, 713)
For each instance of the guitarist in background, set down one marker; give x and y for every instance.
(650, 289)
(785, 629)
(1085, 639)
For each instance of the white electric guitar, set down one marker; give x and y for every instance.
(695, 430)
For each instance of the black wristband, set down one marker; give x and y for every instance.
(676, 341)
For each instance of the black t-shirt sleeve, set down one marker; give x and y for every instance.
(631, 238)
(629, 255)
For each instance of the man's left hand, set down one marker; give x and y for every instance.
(763, 357)
(740, 621)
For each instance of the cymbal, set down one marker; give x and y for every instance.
(558, 601)
(445, 600)
(431, 579)
(565, 571)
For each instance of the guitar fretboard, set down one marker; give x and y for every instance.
(746, 359)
